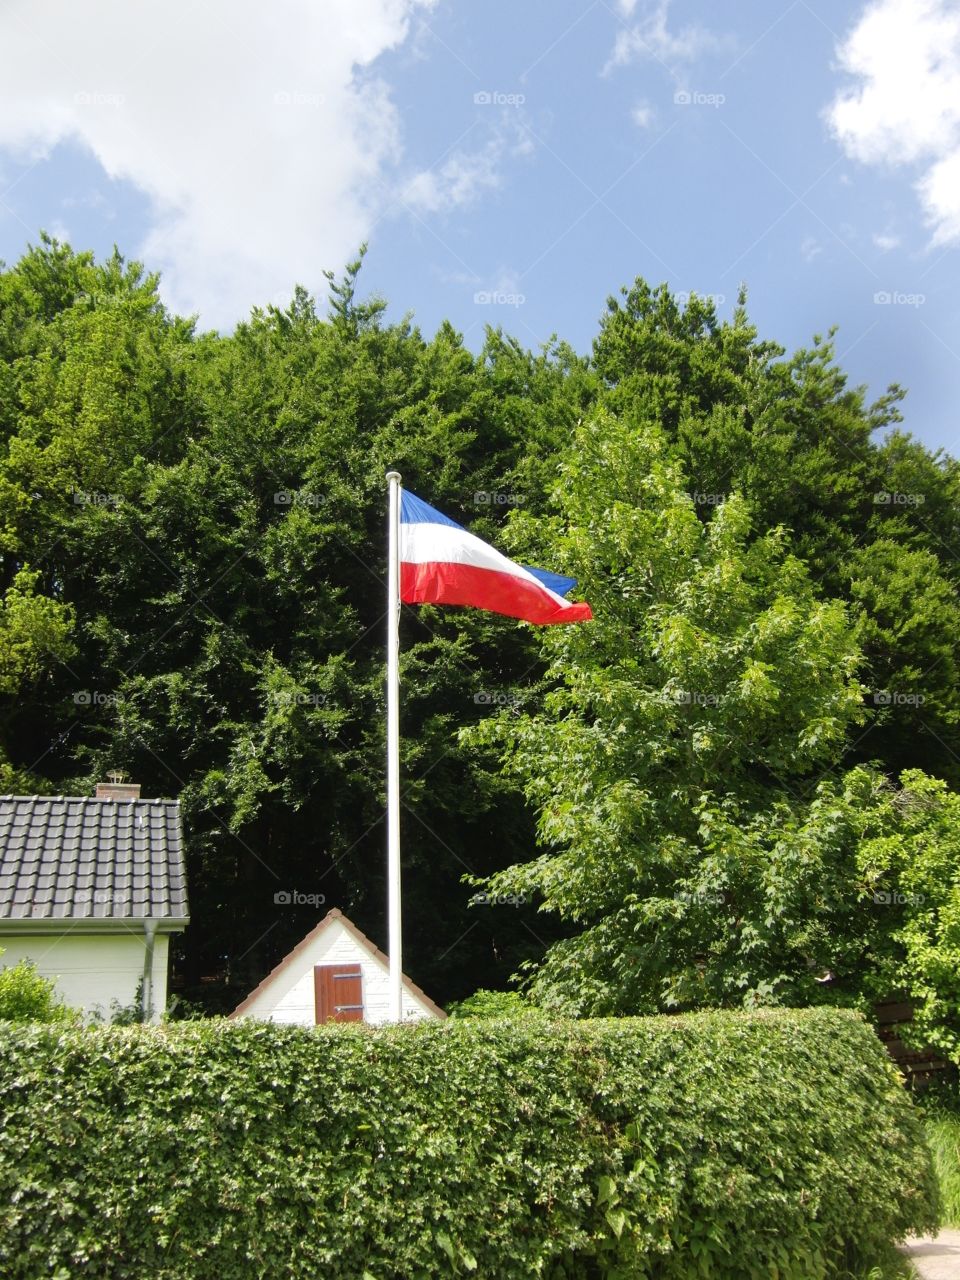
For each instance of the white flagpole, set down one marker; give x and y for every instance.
(393, 752)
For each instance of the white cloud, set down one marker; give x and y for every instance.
(642, 115)
(259, 132)
(652, 38)
(885, 241)
(464, 175)
(810, 248)
(940, 191)
(906, 107)
(459, 180)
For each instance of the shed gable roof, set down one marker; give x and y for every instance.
(88, 861)
(289, 961)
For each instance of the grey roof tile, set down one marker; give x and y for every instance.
(77, 857)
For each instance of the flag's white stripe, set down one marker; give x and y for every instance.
(423, 543)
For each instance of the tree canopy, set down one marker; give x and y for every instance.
(675, 800)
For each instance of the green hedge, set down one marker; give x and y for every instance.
(710, 1145)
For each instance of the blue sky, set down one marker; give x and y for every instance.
(513, 162)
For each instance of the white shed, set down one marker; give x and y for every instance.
(91, 889)
(335, 974)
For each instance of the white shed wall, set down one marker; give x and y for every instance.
(92, 970)
(290, 996)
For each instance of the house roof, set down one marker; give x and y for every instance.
(290, 960)
(99, 864)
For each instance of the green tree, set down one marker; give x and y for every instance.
(793, 437)
(211, 511)
(36, 635)
(674, 763)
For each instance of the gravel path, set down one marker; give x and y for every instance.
(936, 1258)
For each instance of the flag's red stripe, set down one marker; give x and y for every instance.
(464, 584)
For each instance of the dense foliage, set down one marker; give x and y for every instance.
(192, 557)
(689, 769)
(191, 591)
(26, 996)
(721, 1146)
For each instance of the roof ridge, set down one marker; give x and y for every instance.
(96, 799)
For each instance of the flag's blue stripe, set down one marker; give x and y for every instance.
(414, 510)
(555, 582)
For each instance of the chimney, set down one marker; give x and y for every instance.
(117, 789)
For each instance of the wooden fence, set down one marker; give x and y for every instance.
(920, 1066)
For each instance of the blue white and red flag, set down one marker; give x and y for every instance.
(443, 563)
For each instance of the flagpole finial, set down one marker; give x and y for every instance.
(394, 475)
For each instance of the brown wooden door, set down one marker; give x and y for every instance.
(338, 990)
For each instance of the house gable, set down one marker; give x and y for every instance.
(288, 992)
